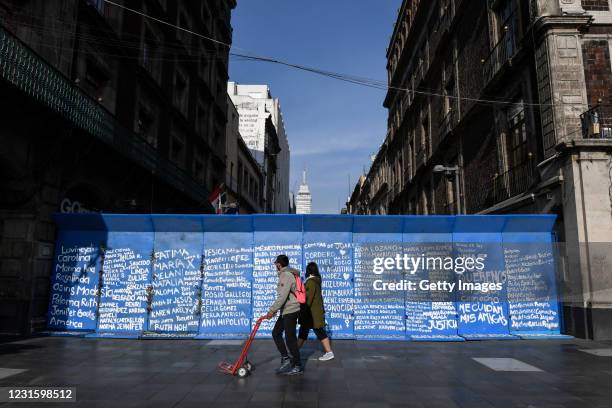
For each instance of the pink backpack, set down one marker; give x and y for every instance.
(300, 290)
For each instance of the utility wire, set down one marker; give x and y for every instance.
(368, 82)
(362, 81)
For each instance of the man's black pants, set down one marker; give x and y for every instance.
(287, 323)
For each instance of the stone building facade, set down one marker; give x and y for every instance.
(244, 177)
(102, 110)
(513, 99)
(271, 167)
(255, 105)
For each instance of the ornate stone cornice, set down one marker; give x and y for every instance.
(575, 22)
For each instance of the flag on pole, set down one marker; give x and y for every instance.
(216, 199)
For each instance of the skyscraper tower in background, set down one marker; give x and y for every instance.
(303, 201)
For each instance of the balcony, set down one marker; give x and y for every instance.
(500, 56)
(484, 190)
(25, 70)
(597, 122)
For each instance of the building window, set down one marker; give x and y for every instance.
(181, 91)
(231, 175)
(595, 5)
(410, 160)
(202, 120)
(221, 89)
(424, 59)
(177, 149)
(99, 5)
(424, 134)
(239, 175)
(198, 166)
(516, 139)
(185, 24)
(206, 15)
(444, 7)
(97, 80)
(204, 67)
(429, 202)
(151, 55)
(147, 125)
(449, 95)
(507, 25)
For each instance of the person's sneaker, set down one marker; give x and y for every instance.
(295, 370)
(327, 356)
(285, 365)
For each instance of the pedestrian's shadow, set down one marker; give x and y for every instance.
(305, 353)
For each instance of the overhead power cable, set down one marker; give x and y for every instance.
(368, 82)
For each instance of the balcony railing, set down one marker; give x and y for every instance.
(25, 70)
(597, 122)
(484, 191)
(500, 55)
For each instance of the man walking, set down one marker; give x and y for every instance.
(287, 302)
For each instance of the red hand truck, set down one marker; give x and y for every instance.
(242, 367)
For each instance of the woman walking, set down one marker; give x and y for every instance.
(312, 313)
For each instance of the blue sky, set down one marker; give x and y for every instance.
(333, 126)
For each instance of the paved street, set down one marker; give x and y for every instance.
(163, 373)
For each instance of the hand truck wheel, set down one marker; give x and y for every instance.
(243, 372)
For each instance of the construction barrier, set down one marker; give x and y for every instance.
(427, 278)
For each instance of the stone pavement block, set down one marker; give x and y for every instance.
(268, 396)
(300, 404)
(505, 364)
(9, 372)
(604, 352)
(335, 404)
(225, 343)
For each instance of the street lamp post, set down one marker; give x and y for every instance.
(451, 172)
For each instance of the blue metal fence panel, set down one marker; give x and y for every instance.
(530, 271)
(327, 242)
(379, 314)
(430, 315)
(73, 301)
(273, 235)
(126, 276)
(482, 315)
(228, 274)
(177, 274)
